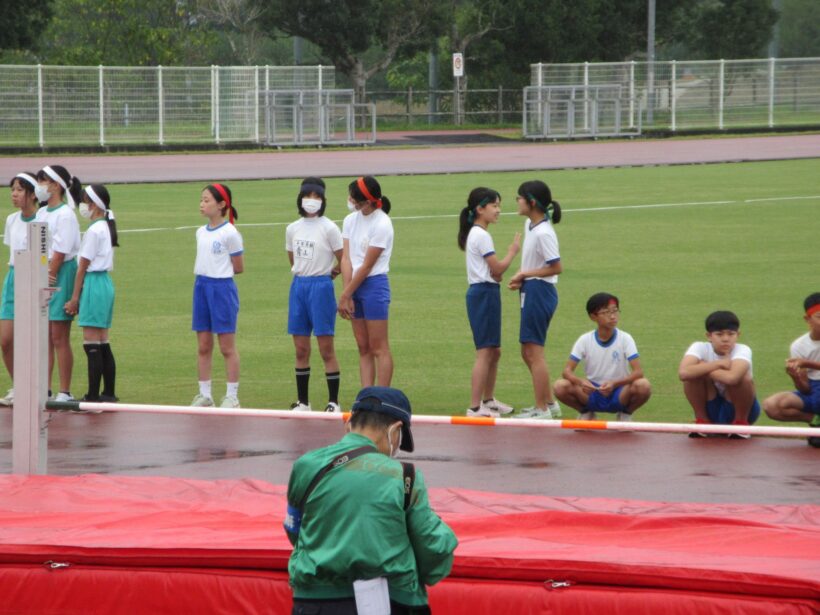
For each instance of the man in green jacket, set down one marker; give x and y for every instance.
(355, 514)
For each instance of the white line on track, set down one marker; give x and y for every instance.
(509, 213)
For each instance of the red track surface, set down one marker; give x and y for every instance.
(355, 161)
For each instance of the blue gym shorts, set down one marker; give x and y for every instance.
(372, 299)
(7, 302)
(721, 411)
(484, 313)
(311, 306)
(811, 402)
(97, 300)
(65, 289)
(216, 305)
(605, 403)
(539, 300)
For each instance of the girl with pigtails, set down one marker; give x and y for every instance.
(535, 281)
(93, 296)
(484, 273)
(59, 192)
(219, 257)
(367, 236)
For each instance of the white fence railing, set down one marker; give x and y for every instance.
(717, 94)
(42, 106)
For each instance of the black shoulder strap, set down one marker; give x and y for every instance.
(340, 460)
(409, 479)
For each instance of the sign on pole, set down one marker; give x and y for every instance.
(31, 297)
(458, 65)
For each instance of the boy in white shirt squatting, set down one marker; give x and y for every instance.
(803, 367)
(717, 376)
(614, 379)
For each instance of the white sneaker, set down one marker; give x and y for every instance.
(63, 397)
(587, 416)
(332, 406)
(229, 401)
(300, 407)
(485, 411)
(498, 406)
(200, 401)
(624, 417)
(8, 400)
(534, 413)
(555, 410)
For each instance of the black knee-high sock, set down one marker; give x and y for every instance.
(302, 381)
(333, 379)
(109, 373)
(95, 370)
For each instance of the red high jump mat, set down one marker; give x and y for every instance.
(113, 544)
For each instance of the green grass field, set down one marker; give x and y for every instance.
(734, 236)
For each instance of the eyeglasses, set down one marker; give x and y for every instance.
(609, 311)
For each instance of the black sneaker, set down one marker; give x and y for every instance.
(109, 399)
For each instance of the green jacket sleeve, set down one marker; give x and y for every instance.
(432, 540)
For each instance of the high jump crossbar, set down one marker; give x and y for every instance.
(425, 419)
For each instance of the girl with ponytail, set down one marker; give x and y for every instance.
(15, 236)
(93, 297)
(59, 192)
(484, 273)
(367, 236)
(219, 256)
(535, 281)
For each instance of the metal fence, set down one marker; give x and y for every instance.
(43, 106)
(717, 94)
(410, 107)
(568, 112)
(317, 117)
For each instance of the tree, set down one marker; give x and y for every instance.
(345, 30)
(124, 32)
(800, 29)
(726, 29)
(239, 21)
(23, 23)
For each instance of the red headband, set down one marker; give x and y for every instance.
(224, 193)
(363, 189)
(813, 309)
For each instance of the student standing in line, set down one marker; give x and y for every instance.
(60, 192)
(216, 300)
(367, 233)
(484, 273)
(535, 281)
(93, 297)
(312, 242)
(15, 236)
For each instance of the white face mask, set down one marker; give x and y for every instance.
(311, 206)
(85, 210)
(42, 193)
(351, 207)
(394, 451)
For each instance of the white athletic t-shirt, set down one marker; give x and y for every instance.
(15, 234)
(214, 249)
(806, 348)
(65, 230)
(705, 352)
(540, 248)
(96, 246)
(603, 362)
(478, 247)
(362, 232)
(313, 242)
